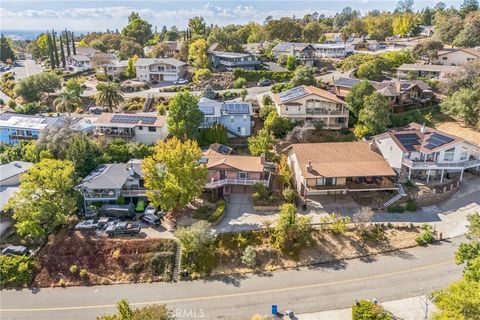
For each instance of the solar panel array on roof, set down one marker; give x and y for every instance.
(208, 110)
(346, 82)
(436, 140)
(122, 118)
(236, 108)
(408, 140)
(283, 46)
(292, 93)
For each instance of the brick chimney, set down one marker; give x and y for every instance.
(262, 158)
(309, 166)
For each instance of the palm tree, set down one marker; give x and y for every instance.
(109, 95)
(67, 101)
(345, 35)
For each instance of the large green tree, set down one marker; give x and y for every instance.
(138, 29)
(109, 95)
(428, 48)
(197, 54)
(283, 29)
(464, 105)
(197, 26)
(470, 35)
(468, 6)
(374, 117)
(173, 175)
(184, 116)
(129, 48)
(262, 143)
(448, 24)
(303, 75)
(355, 98)
(67, 101)
(45, 198)
(30, 88)
(6, 49)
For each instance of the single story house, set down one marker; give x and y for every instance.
(438, 72)
(116, 68)
(456, 57)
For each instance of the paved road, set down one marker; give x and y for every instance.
(401, 274)
(26, 68)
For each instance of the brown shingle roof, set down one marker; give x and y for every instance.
(242, 163)
(340, 159)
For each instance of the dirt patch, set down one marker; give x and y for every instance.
(327, 247)
(451, 126)
(105, 261)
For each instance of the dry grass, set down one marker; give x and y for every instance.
(107, 261)
(451, 126)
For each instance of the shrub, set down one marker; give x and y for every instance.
(261, 192)
(100, 77)
(335, 223)
(83, 273)
(16, 270)
(374, 232)
(116, 254)
(73, 268)
(201, 75)
(365, 309)
(289, 195)
(411, 205)
(267, 100)
(279, 87)
(218, 213)
(395, 208)
(249, 257)
(427, 236)
(265, 111)
(257, 75)
(239, 83)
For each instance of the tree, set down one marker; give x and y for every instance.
(67, 42)
(98, 44)
(291, 62)
(470, 35)
(138, 29)
(428, 48)
(371, 70)
(404, 6)
(379, 27)
(160, 50)
(184, 116)
(405, 24)
(62, 53)
(173, 175)
(342, 18)
(303, 75)
(116, 151)
(109, 95)
(468, 6)
(31, 87)
(197, 54)
(357, 27)
(365, 309)
(448, 25)
(459, 301)
(278, 125)
(208, 92)
(197, 25)
(284, 172)
(6, 49)
(464, 105)
(374, 117)
(74, 49)
(55, 50)
(262, 143)
(202, 75)
(291, 233)
(283, 29)
(313, 31)
(130, 71)
(151, 312)
(129, 48)
(82, 151)
(45, 198)
(67, 101)
(355, 98)
(73, 84)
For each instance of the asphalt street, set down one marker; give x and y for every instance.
(401, 274)
(26, 68)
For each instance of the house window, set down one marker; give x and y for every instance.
(449, 154)
(242, 175)
(232, 118)
(326, 181)
(239, 129)
(152, 129)
(444, 58)
(463, 155)
(140, 127)
(244, 117)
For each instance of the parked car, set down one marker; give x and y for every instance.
(104, 222)
(151, 219)
(123, 228)
(265, 83)
(151, 209)
(15, 251)
(180, 81)
(122, 211)
(86, 225)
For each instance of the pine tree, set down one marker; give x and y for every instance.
(50, 52)
(55, 50)
(62, 52)
(74, 50)
(67, 43)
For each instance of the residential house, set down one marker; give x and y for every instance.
(304, 52)
(86, 51)
(364, 44)
(309, 103)
(401, 94)
(236, 116)
(157, 70)
(146, 128)
(10, 179)
(16, 127)
(107, 182)
(456, 57)
(426, 31)
(78, 62)
(229, 173)
(438, 72)
(173, 48)
(417, 151)
(339, 168)
(230, 60)
(330, 50)
(116, 68)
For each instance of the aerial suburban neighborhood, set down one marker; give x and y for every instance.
(240, 160)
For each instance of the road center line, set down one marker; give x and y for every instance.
(232, 295)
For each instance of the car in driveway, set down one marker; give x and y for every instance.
(15, 251)
(123, 228)
(86, 225)
(265, 83)
(151, 209)
(180, 81)
(151, 219)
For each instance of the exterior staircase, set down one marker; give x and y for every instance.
(148, 103)
(178, 262)
(401, 193)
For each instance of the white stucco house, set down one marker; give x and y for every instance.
(78, 62)
(417, 151)
(456, 57)
(157, 70)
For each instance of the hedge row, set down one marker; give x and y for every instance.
(257, 75)
(218, 213)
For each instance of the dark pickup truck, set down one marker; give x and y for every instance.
(122, 228)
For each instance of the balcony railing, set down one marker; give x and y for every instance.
(22, 137)
(327, 113)
(440, 165)
(241, 182)
(116, 133)
(113, 195)
(134, 193)
(385, 184)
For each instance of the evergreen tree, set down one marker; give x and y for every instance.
(6, 49)
(55, 50)
(50, 52)
(62, 51)
(74, 50)
(67, 43)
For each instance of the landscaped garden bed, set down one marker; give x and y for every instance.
(77, 258)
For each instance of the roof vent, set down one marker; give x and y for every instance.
(423, 129)
(309, 166)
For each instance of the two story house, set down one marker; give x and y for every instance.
(107, 182)
(116, 68)
(78, 62)
(304, 52)
(10, 179)
(157, 70)
(309, 103)
(339, 168)
(400, 93)
(220, 60)
(419, 152)
(330, 50)
(146, 128)
(229, 173)
(236, 116)
(15, 127)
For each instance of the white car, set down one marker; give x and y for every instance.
(87, 225)
(151, 210)
(180, 81)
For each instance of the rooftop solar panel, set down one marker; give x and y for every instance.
(441, 137)
(121, 118)
(430, 146)
(292, 93)
(236, 108)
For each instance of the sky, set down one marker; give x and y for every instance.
(91, 15)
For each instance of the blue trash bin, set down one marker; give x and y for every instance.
(274, 309)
